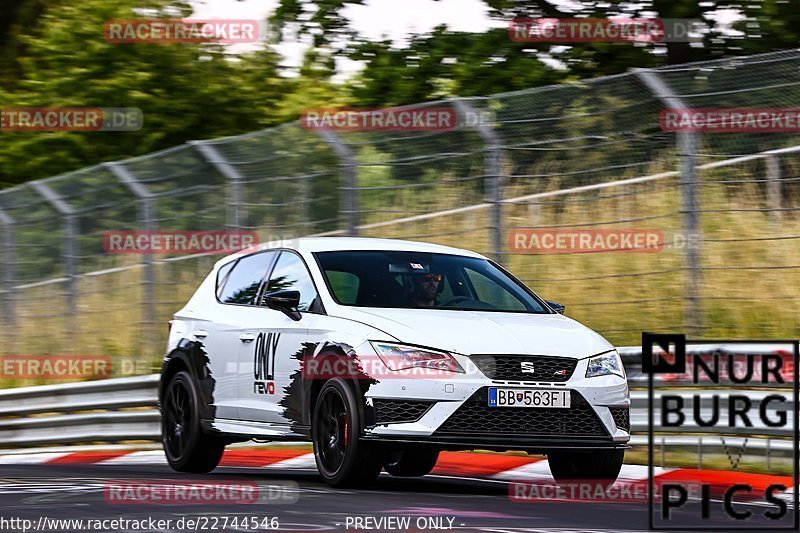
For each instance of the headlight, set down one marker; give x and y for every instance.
(400, 357)
(605, 364)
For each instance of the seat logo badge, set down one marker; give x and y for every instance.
(561, 372)
(527, 367)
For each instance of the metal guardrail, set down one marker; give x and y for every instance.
(125, 409)
(111, 410)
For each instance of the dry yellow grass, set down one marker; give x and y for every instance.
(619, 294)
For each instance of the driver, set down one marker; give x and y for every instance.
(425, 289)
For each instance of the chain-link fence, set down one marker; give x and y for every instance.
(588, 155)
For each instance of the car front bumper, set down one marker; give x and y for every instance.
(452, 412)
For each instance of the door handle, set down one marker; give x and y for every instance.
(200, 333)
(247, 337)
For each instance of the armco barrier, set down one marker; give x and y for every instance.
(125, 409)
(110, 410)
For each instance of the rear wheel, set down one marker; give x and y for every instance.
(411, 462)
(342, 459)
(602, 466)
(187, 448)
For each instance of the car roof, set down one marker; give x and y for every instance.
(331, 244)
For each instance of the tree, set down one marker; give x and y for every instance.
(442, 62)
(186, 91)
(15, 15)
(446, 64)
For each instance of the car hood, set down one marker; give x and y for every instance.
(473, 332)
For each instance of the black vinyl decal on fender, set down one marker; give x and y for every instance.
(193, 354)
(297, 394)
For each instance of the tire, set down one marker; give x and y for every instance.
(602, 466)
(187, 448)
(342, 459)
(412, 462)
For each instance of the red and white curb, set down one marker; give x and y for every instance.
(491, 466)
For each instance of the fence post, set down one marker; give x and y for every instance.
(145, 214)
(699, 453)
(774, 200)
(687, 151)
(768, 451)
(9, 259)
(348, 202)
(212, 156)
(69, 252)
(492, 172)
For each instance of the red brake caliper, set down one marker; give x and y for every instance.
(345, 430)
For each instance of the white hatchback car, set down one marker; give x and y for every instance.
(382, 353)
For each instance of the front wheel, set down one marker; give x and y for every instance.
(187, 448)
(602, 466)
(342, 459)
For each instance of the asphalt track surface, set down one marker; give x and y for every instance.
(77, 492)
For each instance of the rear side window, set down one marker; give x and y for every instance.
(222, 278)
(242, 283)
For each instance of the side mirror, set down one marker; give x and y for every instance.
(284, 301)
(557, 307)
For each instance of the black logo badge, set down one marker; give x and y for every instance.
(672, 361)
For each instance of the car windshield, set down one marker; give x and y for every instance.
(423, 280)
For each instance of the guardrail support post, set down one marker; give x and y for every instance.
(687, 151)
(145, 214)
(774, 200)
(699, 453)
(769, 453)
(492, 173)
(211, 155)
(9, 260)
(69, 252)
(348, 202)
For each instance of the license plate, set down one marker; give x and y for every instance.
(547, 398)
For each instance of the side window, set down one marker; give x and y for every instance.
(345, 286)
(491, 292)
(245, 279)
(290, 274)
(222, 277)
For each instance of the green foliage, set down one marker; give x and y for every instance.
(446, 64)
(186, 91)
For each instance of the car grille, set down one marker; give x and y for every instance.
(509, 367)
(621, 416)
(475, 416)
(394, 411)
